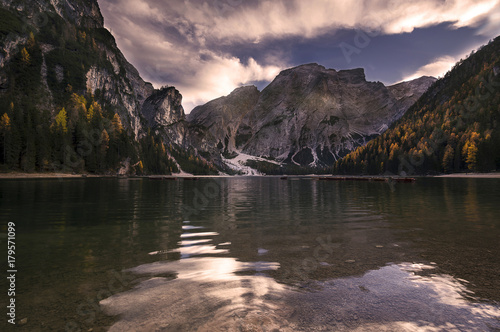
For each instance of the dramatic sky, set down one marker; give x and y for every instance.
(207, 48)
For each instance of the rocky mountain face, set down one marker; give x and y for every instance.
(407, 93)
(308, 116)
(71, 33)
(82, 13)
(71, 102)
(220, 119)
(163, 108)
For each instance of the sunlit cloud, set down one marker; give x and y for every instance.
(180, 58)
(269, 19)
(221, 76)
(437, 68)
(492, 26)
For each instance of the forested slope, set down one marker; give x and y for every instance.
(453, 127)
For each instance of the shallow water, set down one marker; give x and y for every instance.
(255, 254)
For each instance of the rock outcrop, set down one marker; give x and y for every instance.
(221, 118)
(407, 93)
(163, 108)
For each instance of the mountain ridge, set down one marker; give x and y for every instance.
(292, 115)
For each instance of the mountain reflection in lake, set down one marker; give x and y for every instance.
(258, 254)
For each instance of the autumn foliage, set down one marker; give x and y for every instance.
(453, 127)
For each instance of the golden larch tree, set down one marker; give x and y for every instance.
(25, 56)
(61, 121)
(117, 125)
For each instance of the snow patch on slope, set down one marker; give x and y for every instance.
(238, 164)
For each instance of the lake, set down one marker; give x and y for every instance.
(254, 254)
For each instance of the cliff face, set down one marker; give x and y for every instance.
(126, 93)
(63, 79)
(68, 34)
(407, 93)
(308, 116)
(163, 108)
(82, 13)
(222, 117)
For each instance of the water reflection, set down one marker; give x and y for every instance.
(258, 253)
(244, 270)
(397, 297)
(209, 294)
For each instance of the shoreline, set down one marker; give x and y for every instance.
(470, 175)
(21, 175)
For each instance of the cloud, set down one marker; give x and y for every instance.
(170, 51)
(437, 68)
(192, 43)
(407, 16)
(268, 19)
(221, 76)
(492, 24)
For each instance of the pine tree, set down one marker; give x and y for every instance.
(43, 150)
(104, 140)
(140, 168)
(103, 148)
(448, 157)
(28, 159)
(472, 157)
(90, 113)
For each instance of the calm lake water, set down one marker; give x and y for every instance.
(254, 254)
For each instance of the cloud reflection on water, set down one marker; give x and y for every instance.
(212, 293)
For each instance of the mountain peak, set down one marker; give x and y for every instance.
(308, 115)
(244, 89)
(312, 65)
(163, 107)
(305, 68)
(356, 75)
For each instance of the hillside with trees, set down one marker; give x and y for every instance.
(69, 100)
(453, 127)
